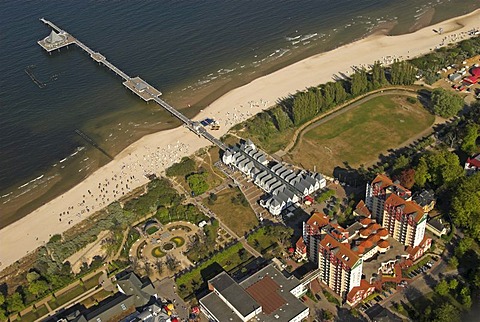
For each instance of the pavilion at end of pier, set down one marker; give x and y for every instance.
(56, 41)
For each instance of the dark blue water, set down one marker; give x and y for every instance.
(178, 46)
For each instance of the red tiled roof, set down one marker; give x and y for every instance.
(265, 293)
(475, 71)
(374, 227)
(385, 181)
(365, 232)
(410, 206)
(471, 79)
(373, 238)
(366, 244)
(362, 209)
(318, 220)
(364, 286)
(382, 232)
(344, 253)
(413, 250)
(383, 244)
(366, 221)
(474, 161)
(300, 245)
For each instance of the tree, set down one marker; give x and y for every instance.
(469, 144)
(340, 93)
(465, 204)
(182, 168)
(159, 266)
(402, 73)
(453, 284)
(443, 168)
(453, 262)
(197, 183)
(407, 178)
(446, 313)
(359, 82)
(15, 303)
(32, 276)
(401, 163)
(446, 103)
(378, 75)
(38, 287)
(329, 93)
(442, 288)
(421, 173)
(172, 262)
(280, 119)
(463, 246)
(212, 198)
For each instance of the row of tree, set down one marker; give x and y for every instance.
(303, 106)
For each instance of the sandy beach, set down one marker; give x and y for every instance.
(153, 153)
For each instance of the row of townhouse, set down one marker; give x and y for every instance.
(283, 186)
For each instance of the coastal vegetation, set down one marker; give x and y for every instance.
(446, 103)
(439, 169)
(429, 64)
(51, 271)
(272, 129)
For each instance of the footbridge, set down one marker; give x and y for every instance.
(59, 38)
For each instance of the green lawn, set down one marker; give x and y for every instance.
(237, 217)
(33, 316)
(152, 230)
(227, 260)
(92, 281)
(361, 134)
(260, 241)
(66, 297)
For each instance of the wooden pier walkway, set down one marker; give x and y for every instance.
(61, 38)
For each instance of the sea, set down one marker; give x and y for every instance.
(192, 50)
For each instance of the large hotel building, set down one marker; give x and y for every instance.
(390, 229)
(392, 206)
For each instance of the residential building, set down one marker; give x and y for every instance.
(392, 206)
(472, 164)
(418, 251)
(359, 293)
(325, 243)
(437, 227)
(425, 199)
(404, 220)
(378, 191)
(266, 296)
(283, 186)
(340, 267)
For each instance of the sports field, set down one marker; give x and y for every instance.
(360, 135)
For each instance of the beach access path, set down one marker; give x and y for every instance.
(154, 152)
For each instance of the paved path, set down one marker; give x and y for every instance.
(210, 213)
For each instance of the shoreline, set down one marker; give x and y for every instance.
(127, 171)
(28, 199)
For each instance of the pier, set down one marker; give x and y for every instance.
(59, 38)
